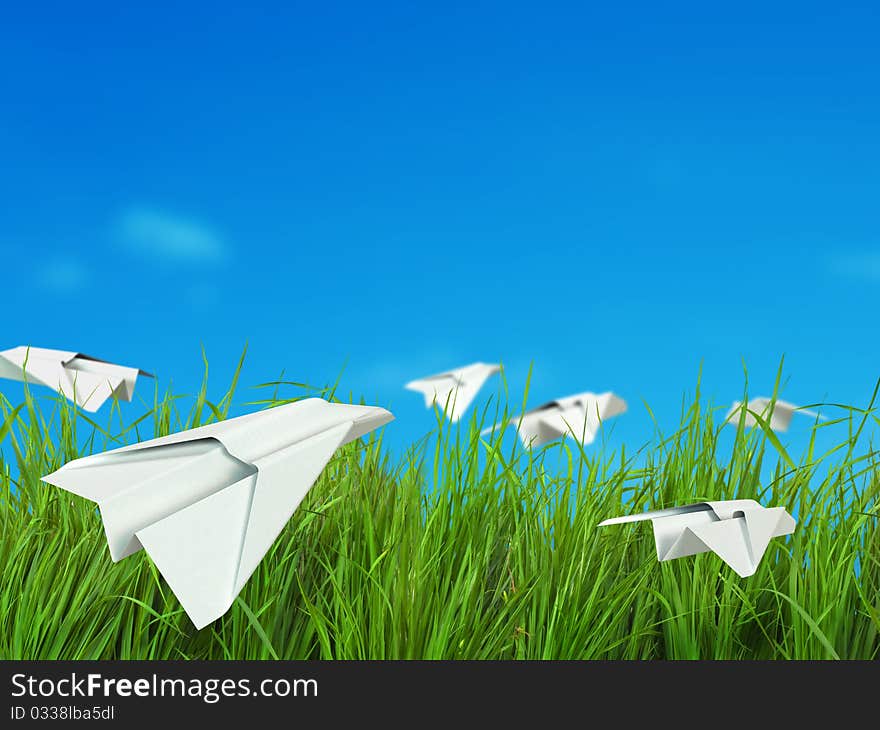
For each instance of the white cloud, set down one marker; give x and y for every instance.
(62, 275)
(864, 265)
(161, 235)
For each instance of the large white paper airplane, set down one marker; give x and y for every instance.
(737, 530)
(85, 380)
(579, 416)
(779, 416)
(207, 504)
(456, 389)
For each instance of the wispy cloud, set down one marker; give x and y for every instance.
(62, 275)
(864, 265)
(161, 235)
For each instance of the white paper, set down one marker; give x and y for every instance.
(779, 417)
(454, 390)
(208, 503)
(85, 380)
(579, 416)
(737, 530)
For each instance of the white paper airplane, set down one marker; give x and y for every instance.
(207, 504)
(579, 416)
(456, 389)
(85, 380)
(737, 530)
(780, 416)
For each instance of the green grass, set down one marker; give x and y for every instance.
(463, 548)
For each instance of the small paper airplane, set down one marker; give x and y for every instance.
(454, 390)
(579, 416)
(737, 530)
(780, 416)
(207, 504)
(85, 380)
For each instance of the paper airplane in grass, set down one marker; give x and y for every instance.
(454, 390)
(85, 380)
(579, 416)
(206, 504)
(779, 416)
(737, 530)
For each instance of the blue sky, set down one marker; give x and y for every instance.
(616, 194)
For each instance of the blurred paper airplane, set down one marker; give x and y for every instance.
(85, 380)
(779, 416)
(579, 416)
(454, 390)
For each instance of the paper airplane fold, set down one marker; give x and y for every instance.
(738, 531)
(454, 390)
(207, 504)
(85, 380)
(579, 416)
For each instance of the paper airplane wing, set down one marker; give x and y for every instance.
(610, 405)
(85, 380)
(530, 428)
(740, 541)
(120, 379)
(83, 356)
(438, 388)
(464, 395)
(136, 488)
(671, 537)
(777, 415)
(755, 405)
(88, 390)
(657, 514)
(757, 525)
(11, 365)
(730, 416)
(208, 503)
(452, 395)
(568, 422)
(454, 390)
(597, 410)
(34, 364)
(47, 367)
(579, 416)
(779, 418)
(227, 534)
(473, 380)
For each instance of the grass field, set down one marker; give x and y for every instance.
(463, 548)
